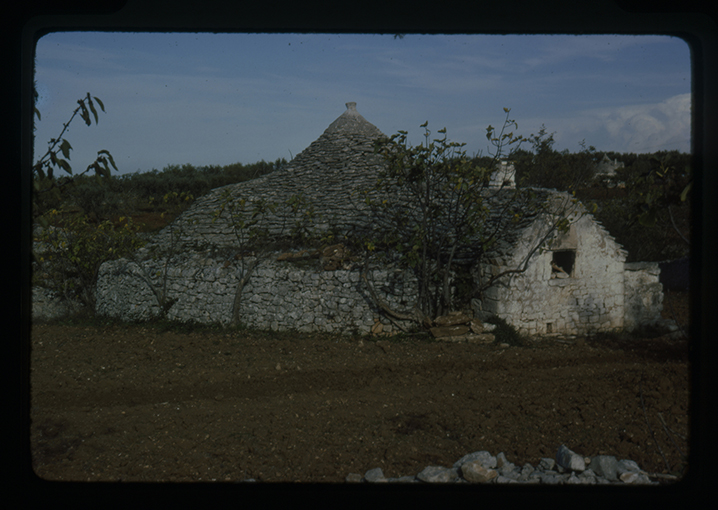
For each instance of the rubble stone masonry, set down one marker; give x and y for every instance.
(278, 296)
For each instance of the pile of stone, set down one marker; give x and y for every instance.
(459, 327)
(482, 467)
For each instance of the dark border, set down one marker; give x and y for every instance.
(694, 21)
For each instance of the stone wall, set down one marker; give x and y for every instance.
(47, 305)
(278, 296)
(600, 292)
(644, 295)
(544, 301)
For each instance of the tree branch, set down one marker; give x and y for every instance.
(238, 293)
(415, 314)
(675, 227)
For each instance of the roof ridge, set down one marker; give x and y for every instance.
(351, 121)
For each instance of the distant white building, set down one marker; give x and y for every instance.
(504, 175)
(607, 167)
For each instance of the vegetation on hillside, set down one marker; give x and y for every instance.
(646, 205)
(171, 190)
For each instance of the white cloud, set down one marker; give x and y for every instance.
(650, 127)
(637, 128)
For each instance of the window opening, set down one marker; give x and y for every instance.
(562, 263)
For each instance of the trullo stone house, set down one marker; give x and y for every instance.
(578, 282)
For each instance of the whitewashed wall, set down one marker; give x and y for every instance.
(592, 299)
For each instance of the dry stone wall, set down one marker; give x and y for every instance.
(644, 295)
(48, 305)
(601, 293)
(200, 287)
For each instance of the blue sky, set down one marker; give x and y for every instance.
(216, 99)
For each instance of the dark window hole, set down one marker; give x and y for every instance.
(563, 261)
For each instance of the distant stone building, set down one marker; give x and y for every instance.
(606, 168)
(505, 175)
(578, 282)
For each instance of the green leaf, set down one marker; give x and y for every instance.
(685, 192)
(65, 147)
(92, 107)
(109, 156)
(100, 103)
(37, 112)
(65, 166)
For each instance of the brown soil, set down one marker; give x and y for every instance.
(139, 403)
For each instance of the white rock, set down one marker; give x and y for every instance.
(485, 458)
(438, 474)
(476, 473)
(375, 475)
(635, 478)
(569, 459)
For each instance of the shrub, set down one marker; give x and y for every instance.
(549, 168)
(71, 256)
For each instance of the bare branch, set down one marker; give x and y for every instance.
(675, 227)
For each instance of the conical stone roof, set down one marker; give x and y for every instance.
(351, 122)
(328, 174)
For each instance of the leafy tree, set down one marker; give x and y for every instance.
(664, 186)
(47, 187)
(431, 204)
(70, 257)
(547, 168)
(650, 212)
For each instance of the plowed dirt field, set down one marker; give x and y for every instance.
(139, 403)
